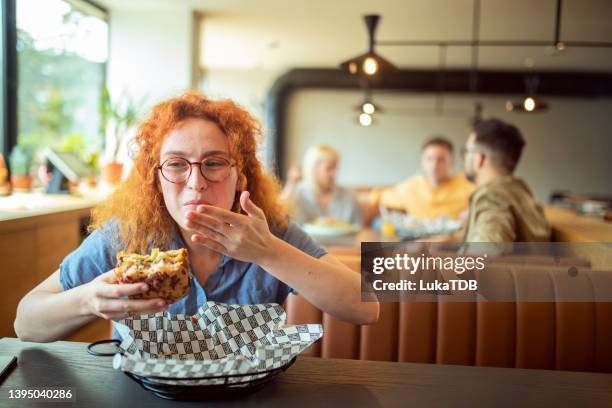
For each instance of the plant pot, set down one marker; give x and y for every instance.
(91, 181)
(21, 183)
(111, 172)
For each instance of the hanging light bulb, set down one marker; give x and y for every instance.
(369, 108)
(352, 68)
(370, 66)
(365, 119)
(529, 104)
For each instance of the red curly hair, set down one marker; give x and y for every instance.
(138, 203)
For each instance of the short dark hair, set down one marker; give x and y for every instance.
(502, 141)
(438, 141)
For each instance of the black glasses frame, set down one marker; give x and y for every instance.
(232, 163)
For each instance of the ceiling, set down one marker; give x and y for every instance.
(281, 34)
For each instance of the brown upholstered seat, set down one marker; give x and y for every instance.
(573, 332)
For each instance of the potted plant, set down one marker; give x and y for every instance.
(5, 185)
(20, 162)
(116, 118)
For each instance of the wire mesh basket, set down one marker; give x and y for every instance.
(220, 352)
(224, 387)
(220, 387)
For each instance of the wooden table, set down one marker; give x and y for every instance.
(313, 382)
(568, 226)
(588, 238)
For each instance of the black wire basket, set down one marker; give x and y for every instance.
(227, 386)
(224, 387)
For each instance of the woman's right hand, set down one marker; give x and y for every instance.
(103, 298)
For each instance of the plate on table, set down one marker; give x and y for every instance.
(329, 227)
(411, 229)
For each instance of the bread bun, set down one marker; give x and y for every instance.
(166, 273)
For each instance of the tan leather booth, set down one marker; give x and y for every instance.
(558, 334)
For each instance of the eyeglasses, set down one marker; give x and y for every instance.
(213, 169)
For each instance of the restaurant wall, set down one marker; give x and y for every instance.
(150, 53)
(150, 59)
(248, 88)
(567, 148)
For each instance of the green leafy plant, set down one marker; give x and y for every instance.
(20, 161)
(121, 114)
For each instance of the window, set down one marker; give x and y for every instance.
(7, 73)
(2, 76)
(62, 48)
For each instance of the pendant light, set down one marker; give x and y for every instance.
(530, 103)
(371, 63)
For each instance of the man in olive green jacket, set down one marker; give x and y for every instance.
(502, 209)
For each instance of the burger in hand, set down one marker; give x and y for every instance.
(165, 272)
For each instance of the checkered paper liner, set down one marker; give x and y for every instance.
(225, 340)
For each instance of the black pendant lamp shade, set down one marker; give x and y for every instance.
(369, 63)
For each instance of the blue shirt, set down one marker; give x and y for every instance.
(234, 282)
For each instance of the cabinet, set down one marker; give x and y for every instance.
(32, 245)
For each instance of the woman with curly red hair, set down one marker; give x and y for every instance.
(196, 184)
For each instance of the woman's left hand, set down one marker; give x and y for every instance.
(243, 237)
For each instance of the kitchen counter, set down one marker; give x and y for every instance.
(36, 232)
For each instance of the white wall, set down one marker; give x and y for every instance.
(567, 148)
(247, 87)
(150, 52)
(150, 55)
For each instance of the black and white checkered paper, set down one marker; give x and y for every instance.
(226, 340)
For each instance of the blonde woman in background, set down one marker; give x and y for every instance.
(313, 194)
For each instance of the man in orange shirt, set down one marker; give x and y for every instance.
(436, 193)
